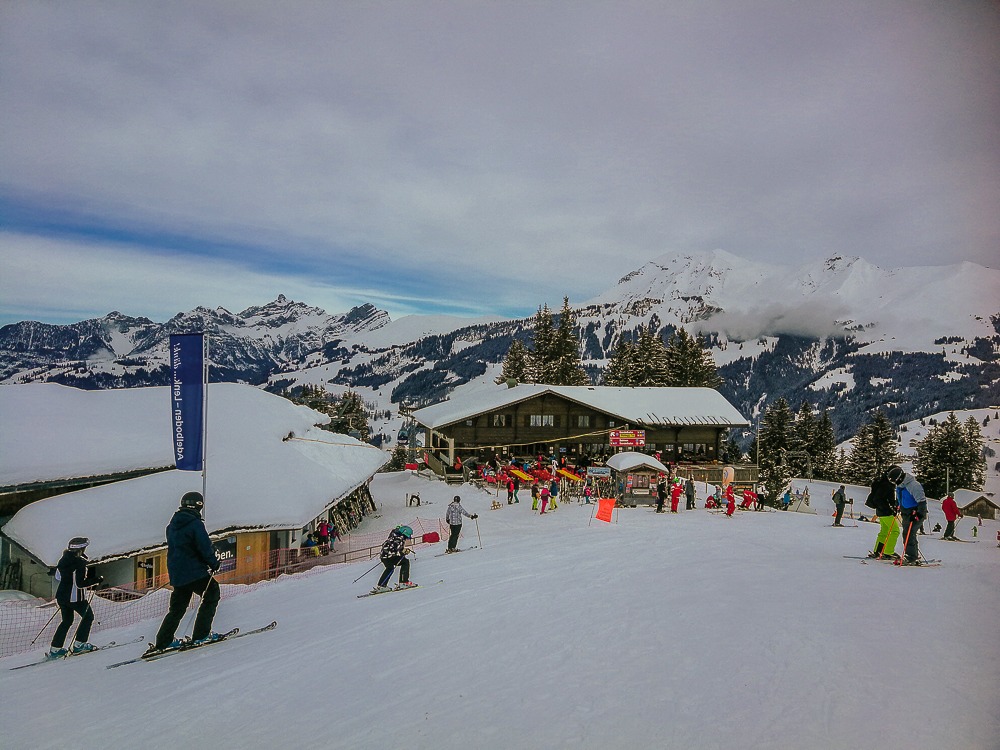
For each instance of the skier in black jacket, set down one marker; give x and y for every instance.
(394, 552)
(882, 499)
(74, 578)
(191, 561)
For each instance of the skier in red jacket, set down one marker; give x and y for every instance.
(675, 496)
(952, 514)
(730, 501)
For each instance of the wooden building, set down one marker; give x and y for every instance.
(272, 475)
(679, 424)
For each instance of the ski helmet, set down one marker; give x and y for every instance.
(192, 500)
(78, 542)
(456, 499)
(895, 474)
(405, 531)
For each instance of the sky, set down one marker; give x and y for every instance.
(478, 158)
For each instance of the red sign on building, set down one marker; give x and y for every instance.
(628, 438)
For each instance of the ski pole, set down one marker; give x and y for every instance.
(367, 571)
(45, 626)
(906, 542)
(477, 534)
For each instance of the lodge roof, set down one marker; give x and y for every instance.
(665, 407)
(257, 478)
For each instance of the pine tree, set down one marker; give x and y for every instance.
(950, 457)
(619, 369)
(540, 360)
(349, 417)
(824, 449)
(801, 438)
(515, 365)
(689, 364)
(873, 450)
(774, 469)
(566, 364)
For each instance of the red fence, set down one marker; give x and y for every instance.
(26, 624)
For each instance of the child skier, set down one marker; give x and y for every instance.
(74, 578)
(730, 501)
(394, 552)
(675, 495)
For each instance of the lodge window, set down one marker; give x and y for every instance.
(541, 420)
(499, 420)
(697, 449)
(583, 420)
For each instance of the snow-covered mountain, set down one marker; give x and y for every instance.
(841, 334)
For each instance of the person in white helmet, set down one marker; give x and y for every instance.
(75, 577)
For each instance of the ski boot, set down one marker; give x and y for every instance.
(381, 589)
(210, 638)
(56, 653)
(82, 648)
(406, 585)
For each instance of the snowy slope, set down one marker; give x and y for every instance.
(676, 631)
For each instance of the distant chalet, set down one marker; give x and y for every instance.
(682, 424)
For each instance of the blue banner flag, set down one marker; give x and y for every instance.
(187, 399)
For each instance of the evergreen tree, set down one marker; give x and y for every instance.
(873, 450)
(564, 352)
(689, 364)
(950, 457)
(824, 449)
(540, 360)
(649, 367)
(801, 438)
(349, 417)
(619, 369)
(515, 364)
(774, 432)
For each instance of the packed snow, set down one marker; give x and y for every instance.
(689, 630)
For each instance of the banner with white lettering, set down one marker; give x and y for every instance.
(187, 399)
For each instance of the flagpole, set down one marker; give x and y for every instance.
(204, 422)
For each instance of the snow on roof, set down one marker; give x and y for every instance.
(255, 478)
(650, 406)
(629, 461)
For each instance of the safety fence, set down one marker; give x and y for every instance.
(26, 624)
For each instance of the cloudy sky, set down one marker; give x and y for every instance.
(478, 157)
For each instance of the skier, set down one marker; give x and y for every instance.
(394, 552)
(912, 509)
(454, 518)
(661, 493)
(534, 495)
(191, 563)
(840, 500)
(323, 536)
(675, 495)
(74, 577)
(510, 489)
(951, 514)
(882, 499)
(544, 494)
(730, 501)
(689, 493)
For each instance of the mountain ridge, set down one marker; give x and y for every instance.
(840, 333)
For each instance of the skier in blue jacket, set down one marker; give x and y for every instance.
(191, 561)
(912, 511)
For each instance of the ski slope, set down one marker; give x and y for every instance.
(659, 631)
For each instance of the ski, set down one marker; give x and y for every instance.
(397, 589)
(69, 654)
(464, 549)
(228, 636)
(965, 541)
(892, 560)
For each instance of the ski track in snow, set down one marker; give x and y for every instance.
(658, 631)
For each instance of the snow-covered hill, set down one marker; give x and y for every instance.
(658, 631)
